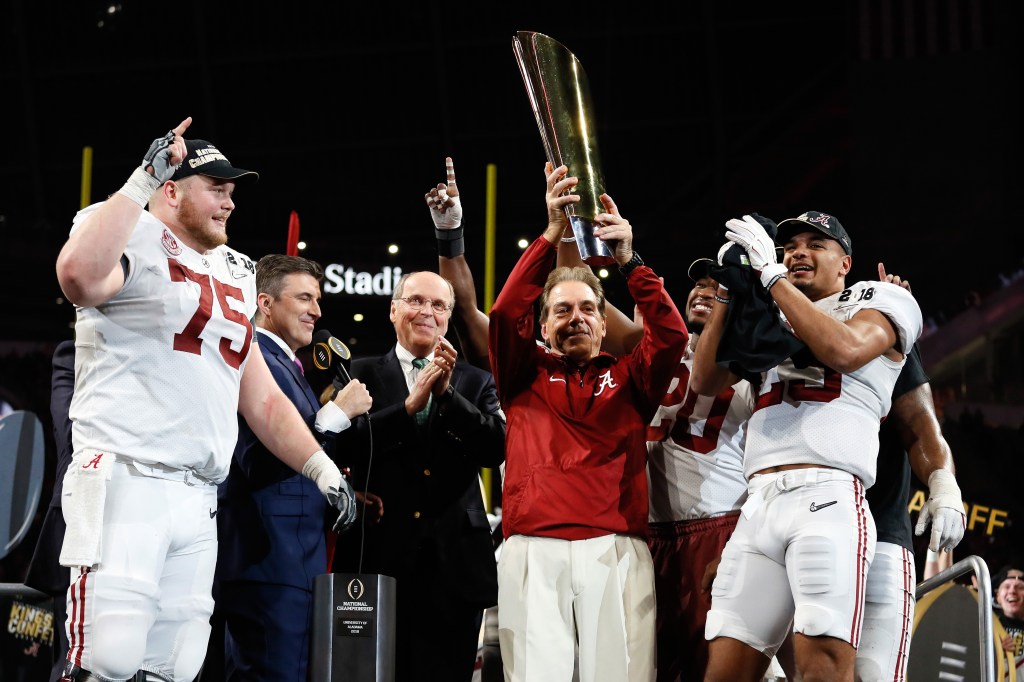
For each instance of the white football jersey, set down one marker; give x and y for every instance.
(695, 449)
(814, 414)
(158, 366)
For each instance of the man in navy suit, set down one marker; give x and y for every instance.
(434, 424)
(270, 519)
(45, 572)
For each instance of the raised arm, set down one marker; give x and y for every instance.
(470, 322)
(512, 329)
(623, 332)
(89, 263)
(843, 346)
(707, 376)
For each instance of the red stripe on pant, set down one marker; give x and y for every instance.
(858, 610)
(76, 631)
(899, 674)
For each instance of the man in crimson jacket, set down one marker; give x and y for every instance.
(575, 570)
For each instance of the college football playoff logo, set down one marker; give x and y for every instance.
(355, 589)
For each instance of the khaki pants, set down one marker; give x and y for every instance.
(557, 595)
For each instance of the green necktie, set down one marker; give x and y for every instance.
(421, 416)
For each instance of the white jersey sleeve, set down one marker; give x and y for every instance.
(893, 301)
(695, 450)
(808, 413)
(158, 366)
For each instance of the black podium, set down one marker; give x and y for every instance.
(353, 638)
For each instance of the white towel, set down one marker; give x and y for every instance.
(83, 499)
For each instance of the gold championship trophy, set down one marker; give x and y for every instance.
(560, 97)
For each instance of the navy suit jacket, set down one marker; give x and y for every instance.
(428, 478)
(270, 519)
(45, 572)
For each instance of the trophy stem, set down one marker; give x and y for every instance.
(593, 251)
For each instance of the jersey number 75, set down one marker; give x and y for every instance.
(188, 340)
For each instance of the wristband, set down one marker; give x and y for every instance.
(722, 300)
(450, 243)
(140, 187)
(774, 279)
(322, 470)
(568, 240)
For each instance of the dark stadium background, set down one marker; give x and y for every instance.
(900, 117)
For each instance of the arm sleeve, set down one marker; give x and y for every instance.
(331, 419)
(897, 304)
(511, 334)
(665, 336)
(475, 425)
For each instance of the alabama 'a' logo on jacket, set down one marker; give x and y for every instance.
(606, 382)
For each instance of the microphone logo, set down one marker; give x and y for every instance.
(322, 356)
(325, 350)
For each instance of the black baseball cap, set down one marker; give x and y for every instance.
(825, 223)
(205, 159)
(700, 268)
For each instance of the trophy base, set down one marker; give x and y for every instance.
(593, 251)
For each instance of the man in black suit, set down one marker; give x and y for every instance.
(270, 519)
(45, 572)
(434, 423)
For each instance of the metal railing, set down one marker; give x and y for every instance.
(978, 566)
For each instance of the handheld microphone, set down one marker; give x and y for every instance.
(330, 353)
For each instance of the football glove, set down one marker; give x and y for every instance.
(159, 157)
(752, 237)
(945, 509)
(343, 498)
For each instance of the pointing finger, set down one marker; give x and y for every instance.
(449, 167)
(181, 127)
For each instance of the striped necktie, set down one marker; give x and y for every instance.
(421, 416)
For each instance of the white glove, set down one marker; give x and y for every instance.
(445, 205)
(945, 509)
(760, 248)
(722, 251)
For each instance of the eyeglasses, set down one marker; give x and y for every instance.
(417, 303)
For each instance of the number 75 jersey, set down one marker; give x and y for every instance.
(808, 413)
(158, 366)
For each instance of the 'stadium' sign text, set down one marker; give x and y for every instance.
(341, 280)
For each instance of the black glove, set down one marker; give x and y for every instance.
(344, 500)
(159, 157)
